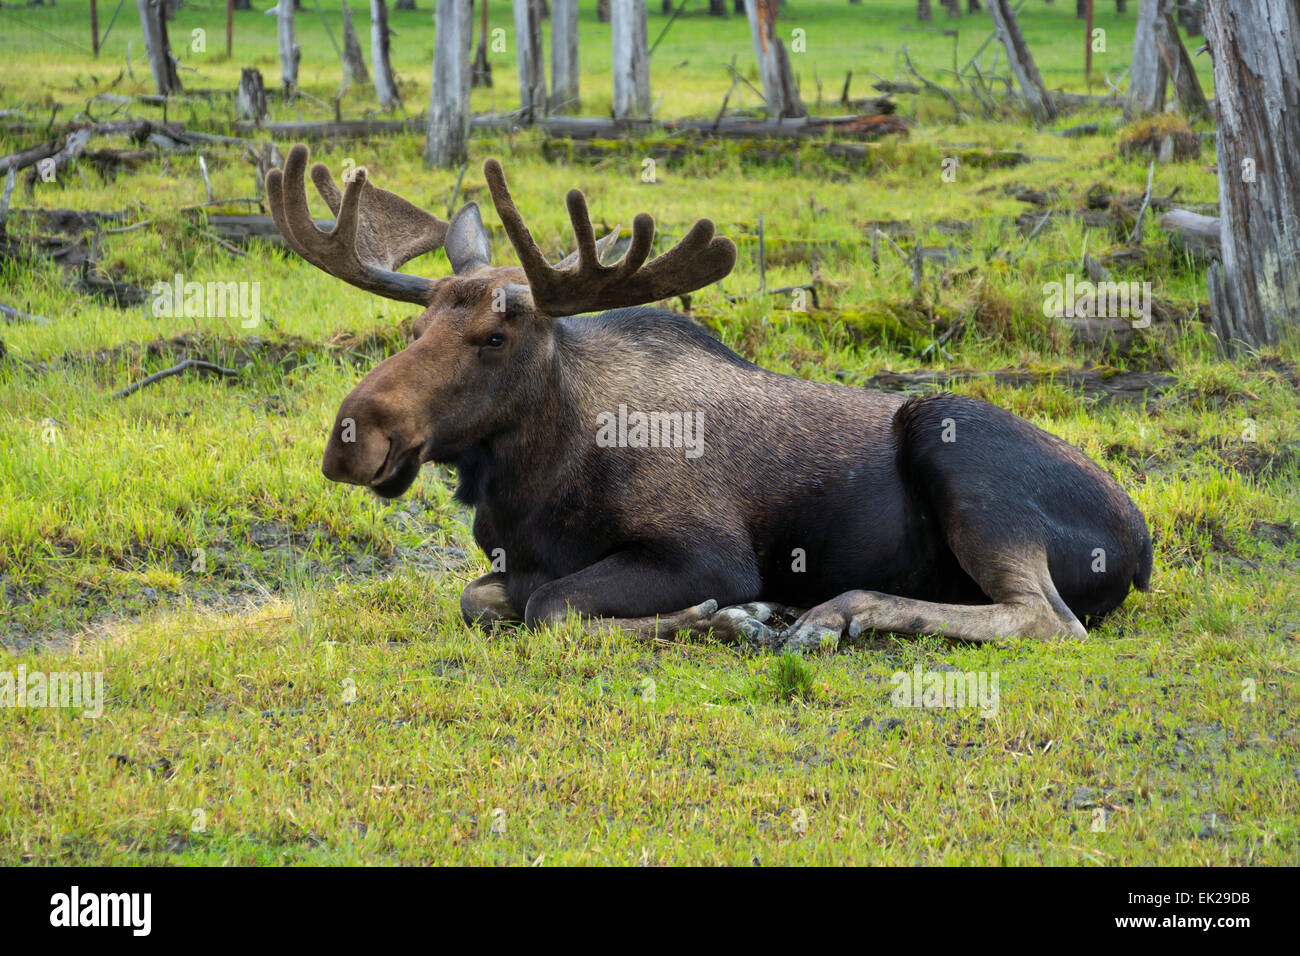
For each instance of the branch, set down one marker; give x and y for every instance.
(176, 370)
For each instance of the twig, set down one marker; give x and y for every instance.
(929, 84)
(232, 249)
(455, 193)
(1136, 235)
(176, 369)
(222, 202)
(131, 228)
(1034, 232)
(207, 183)
(736, 73)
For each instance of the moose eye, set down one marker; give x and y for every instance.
(495, 341)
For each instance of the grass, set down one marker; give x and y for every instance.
(287, 677)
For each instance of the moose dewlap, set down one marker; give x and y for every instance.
(579, 437)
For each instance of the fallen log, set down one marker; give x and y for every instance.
(243, 229)
(29, 157)
(1098, 385)
(1195, 234)
(866, 125)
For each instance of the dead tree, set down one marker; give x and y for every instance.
(1255, 292)
(1147, 75)
(564, 57)
(1035, 94)
(1178, 67)
(773, 63)
(923, 11)
(354, 64)
(528, 54)
(250, 97)
(1158, 57)
(481, 73)
(290, 52)
(162, 63)
(446, 142)
(631, 59)
(385, 83)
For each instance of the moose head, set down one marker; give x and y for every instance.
(485, 341)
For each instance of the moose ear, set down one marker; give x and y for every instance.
(467, 242)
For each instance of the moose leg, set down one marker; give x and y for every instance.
(485, 601)
(1025, 605)
(627, 591)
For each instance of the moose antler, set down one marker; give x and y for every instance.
(584, 284)
(376, 231)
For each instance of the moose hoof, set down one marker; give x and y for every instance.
(744, 623)
(810, 637)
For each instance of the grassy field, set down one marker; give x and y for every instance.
(286, 675)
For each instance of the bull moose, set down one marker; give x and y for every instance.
(763, 492)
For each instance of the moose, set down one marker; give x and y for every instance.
(850, 510)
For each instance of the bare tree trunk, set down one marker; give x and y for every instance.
(385, 82)
(446, 142)
(290, 52)
(1037, 98)
(1121, 6)
(631, 59)
(1255, 292)
(564, 57)
(1147, 74)
(481, 74)
(602, 11)
(243, 4)
(773, 63)
(953, 7)
(923, 11)
(717, 8)
(404, 5)
(250, 97)
(973, 6)
(354, 64)
(161, 61)
(528, 49)
(1178, 66)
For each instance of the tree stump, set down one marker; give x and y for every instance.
(1039, 101)
(564, 57)
(354, 64)
(779, 88)
(528, 55)
(1255, 292)
(631, 59)
(385, 82)
(250, 97)
(446, 141)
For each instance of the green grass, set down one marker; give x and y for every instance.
(287, 677)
